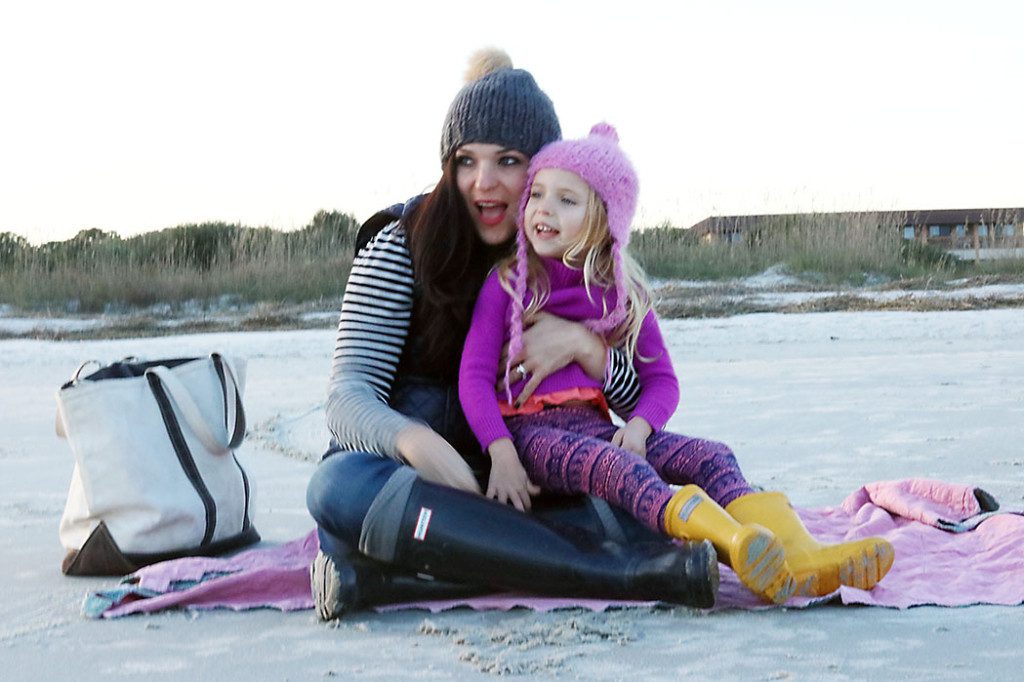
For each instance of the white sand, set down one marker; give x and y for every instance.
(815, 405)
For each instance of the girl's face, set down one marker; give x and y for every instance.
(491, 179)
(555, 211)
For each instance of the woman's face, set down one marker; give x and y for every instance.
(491, 180)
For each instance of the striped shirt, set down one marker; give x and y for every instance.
(376, 312)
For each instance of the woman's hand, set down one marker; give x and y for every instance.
(633, 436)
(434, 459)
(549, 344)
(509, 483)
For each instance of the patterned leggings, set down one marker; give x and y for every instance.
(568, 449)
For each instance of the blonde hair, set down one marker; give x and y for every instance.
(591, 253)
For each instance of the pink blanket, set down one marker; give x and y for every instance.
(948, 553)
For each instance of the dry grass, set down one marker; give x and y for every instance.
(847, 247)
(189, 266)
(192, 270)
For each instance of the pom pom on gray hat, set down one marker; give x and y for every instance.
(499, 105)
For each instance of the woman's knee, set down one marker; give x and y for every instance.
(344, 486)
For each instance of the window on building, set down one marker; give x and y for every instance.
(961, 230)
(908, 232)
(934, 230)
(1008, 230)
(982, 230)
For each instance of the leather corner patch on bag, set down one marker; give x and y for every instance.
(98, 556)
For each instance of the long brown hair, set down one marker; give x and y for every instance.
(451, 263)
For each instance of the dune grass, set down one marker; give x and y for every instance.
(214, 265)
(833, 248)
(209, 264)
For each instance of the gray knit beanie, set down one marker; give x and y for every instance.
(499, 105)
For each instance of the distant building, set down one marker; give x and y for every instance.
(975, 228)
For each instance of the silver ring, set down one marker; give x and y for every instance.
(522, 371)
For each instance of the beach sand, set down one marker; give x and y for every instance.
(815, 405)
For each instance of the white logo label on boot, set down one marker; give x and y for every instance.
(688, 507)
(421, 524)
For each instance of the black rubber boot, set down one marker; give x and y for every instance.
(356, 582)
(450, 534)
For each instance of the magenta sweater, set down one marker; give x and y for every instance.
(488, 332)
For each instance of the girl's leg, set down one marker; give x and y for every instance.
(559, 460)
(818, 569)
(568, 450)
(677, 459)
(708, 464)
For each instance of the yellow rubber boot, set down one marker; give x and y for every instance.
(749, 549)
(819, 569)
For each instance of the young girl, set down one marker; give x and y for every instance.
(571, 261)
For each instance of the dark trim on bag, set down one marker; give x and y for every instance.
(246, 537)
(239, 427)
(246, 523)
(188, 463)
(127, 370)
(238, 433)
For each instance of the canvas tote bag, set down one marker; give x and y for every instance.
(155, 476)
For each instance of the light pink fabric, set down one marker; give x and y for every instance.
(932, 502)
(932, 566)
(276, 577)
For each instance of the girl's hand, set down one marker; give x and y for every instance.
(434, 459)
(633, 436)
(509, 483)
(549, 344)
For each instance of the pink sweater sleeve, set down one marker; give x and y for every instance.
(478, 370)
(659, 388)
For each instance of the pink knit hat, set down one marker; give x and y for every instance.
(600, 162)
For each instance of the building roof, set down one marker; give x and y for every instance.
(945, 216)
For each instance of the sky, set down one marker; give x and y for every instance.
(136, 116)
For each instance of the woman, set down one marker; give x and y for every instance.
(398, 493)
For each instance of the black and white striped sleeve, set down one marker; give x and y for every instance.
(621, 384)
(376, 311)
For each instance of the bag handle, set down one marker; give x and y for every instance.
(58, 421)
(224, 437)
(234, 411)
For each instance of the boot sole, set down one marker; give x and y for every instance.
(862, 570)
(760, 563)
(711, 566)
(325, 583)
(865, 571)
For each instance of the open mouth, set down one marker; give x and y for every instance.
(491, 212)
